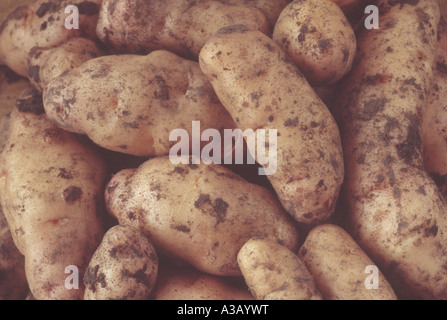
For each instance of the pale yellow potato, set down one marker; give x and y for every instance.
(274, 272)
(263, 89)
(13, 284)
(46, 64)
(189, 284)
(41, 23)
(434, 120)
(182, 27)
(338, 266)
(131, 103)
(199, 213)
(51, 191)
(123, 267)
(395, 210)
(317, 36)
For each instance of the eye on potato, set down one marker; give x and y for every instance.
(123, 267)
(181, 27)
(338, 265)
(131, 103)
(46, 64)
(41, 24)
(198, 213)
(396, 212)
(316, 35)
(262, 88)
(273, 272)
(51, 193)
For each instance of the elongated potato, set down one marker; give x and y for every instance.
(338, 265)
(123, 267)
(46, 64)
(190, 284)
(262, 89)
(396, 212)
(11, 86)
(181, 27)
(42, 24)
(273, 272)
(201, 214)
(318, 38)
(131, 103)
(434, 124)
(13, 284)
(51, 191)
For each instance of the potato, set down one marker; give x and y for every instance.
(131, 103)
(263, 89)
(271, 9)
(202, 214)
(123, 267)
(13, 284)
(338, 265)
(51, 191)
(273, 272)
(396, 212)
(317, 36)
(181, 27)
(47, 64)
(42, 24)
(434, 128)
(186, 283)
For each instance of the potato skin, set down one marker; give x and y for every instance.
(338, 266)
(318, 38)
(189, 284)
(434, 137)
(201, 214)
(41, 24)
(123, 267)
(273, 272)
(53, 200)
(46, 64)
(182, 27)
(130, 103)
(260, 89)
(396, 212)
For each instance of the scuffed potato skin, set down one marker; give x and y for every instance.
(189, 284)
(131, 103)
(396, 212)
(46, 64)
(434, 121)
(316, 35)
(262, 88)
(338, 265)
(51, 193)
(201, 214)
(41, 24)
(182, 27)
(123, 267)
(273, 272)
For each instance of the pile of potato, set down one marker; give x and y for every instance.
(93, 207)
